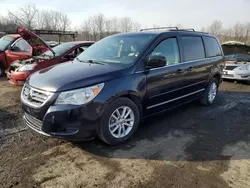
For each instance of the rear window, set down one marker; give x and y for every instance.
(212, 47)
(193, 48)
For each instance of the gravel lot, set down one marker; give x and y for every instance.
(192, 146)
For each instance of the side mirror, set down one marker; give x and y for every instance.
(156, 62)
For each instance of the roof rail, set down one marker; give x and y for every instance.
(188, 29)
(158, 28)
(168, 28)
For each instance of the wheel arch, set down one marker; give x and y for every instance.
(133, 96)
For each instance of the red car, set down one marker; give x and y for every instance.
(20, 70)
(18, 46)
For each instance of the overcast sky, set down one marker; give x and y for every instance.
(189, 13)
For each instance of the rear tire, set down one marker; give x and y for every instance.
(119, 122)
(210, 93)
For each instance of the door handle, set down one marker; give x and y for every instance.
(179, 71)
(190, 69)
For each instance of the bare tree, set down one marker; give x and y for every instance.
(115, 24)
(126, 24)
(85, 31)
(108, 27)
(50, 19)
(239, 32)
(65, 22)
(215, 28)
(136, 26)
(99, 21)
(247, 37)
(24, 16)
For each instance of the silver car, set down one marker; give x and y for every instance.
(237, 70)
(237, 65)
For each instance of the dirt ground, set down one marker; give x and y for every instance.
(192, 146)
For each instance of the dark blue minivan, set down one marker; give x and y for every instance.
(121, 79)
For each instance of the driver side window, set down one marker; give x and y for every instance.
(169, 49)
(21, 46)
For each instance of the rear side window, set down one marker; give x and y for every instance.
(212, 47)
(193, 48)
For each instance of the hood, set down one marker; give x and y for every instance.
(73, 75)
(230, 48)
(39, 46)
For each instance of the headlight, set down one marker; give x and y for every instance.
(26, 67)
(244, 67)
(79, 96)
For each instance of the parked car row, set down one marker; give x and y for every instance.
(107, 89)
(19, 46)
(24, 53)
(20, 70)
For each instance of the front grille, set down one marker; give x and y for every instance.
(230, 67)
(228, 75)
(35, 97)
(33, 122)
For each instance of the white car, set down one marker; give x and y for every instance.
(237, 65)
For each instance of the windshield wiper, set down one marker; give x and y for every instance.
(96, 62)
(80, 60)
(91, 61)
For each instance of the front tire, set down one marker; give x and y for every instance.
(120, 121)
(210, 93)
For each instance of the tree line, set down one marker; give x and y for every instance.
(98, 26)
(238, 32)
(93, 28)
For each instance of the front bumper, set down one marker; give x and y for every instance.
(66, 121)
(236, 75)
(17, 78)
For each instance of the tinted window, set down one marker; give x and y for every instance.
(21, 46)
(212, 47)
(5, 41)
(193, 48)
(169, 49)
(121, 49)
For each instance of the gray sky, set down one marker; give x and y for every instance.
(189, 13)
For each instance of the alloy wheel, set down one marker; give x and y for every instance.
(212, 92)
(121, 122)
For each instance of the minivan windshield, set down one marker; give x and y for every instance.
(122, 49)
(5, 41)
(60, 49)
